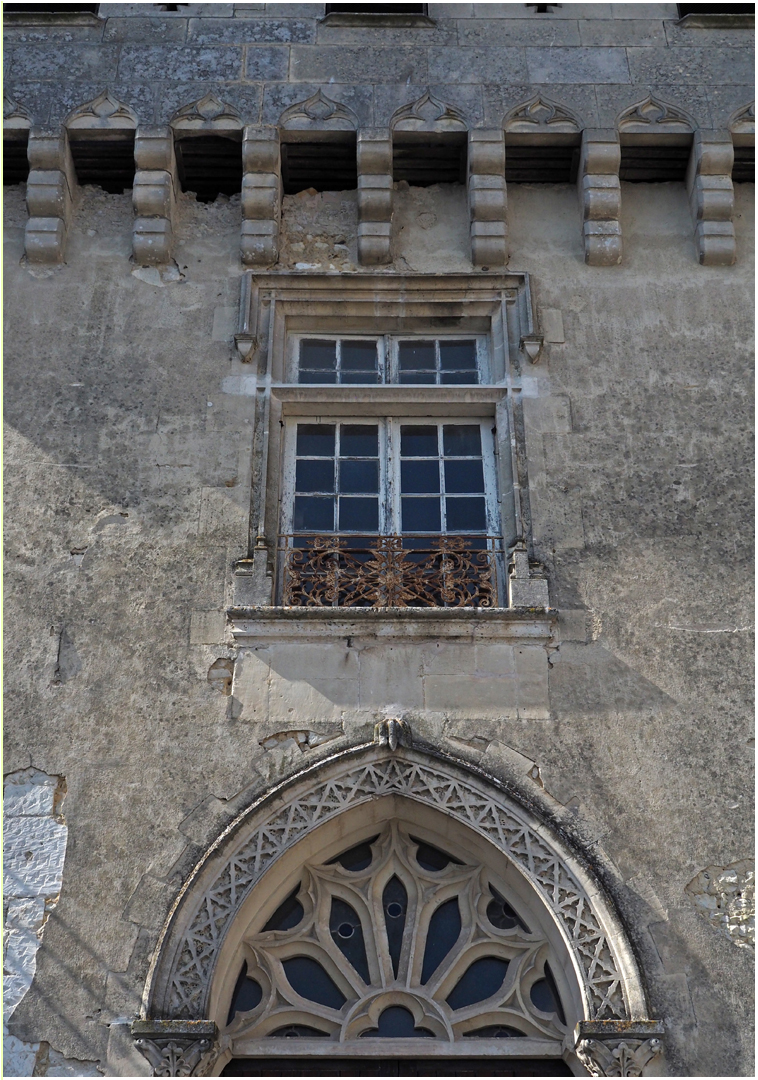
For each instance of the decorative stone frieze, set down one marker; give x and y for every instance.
(487, 197)
(154, 195)
(177, 1047)
(375, 189)
(618, 1048)
(261, 196)
(600, 196)
(709, 185)
(49, 195)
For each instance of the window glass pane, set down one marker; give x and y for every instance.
(359, 514)
(418, 377)
(464, 476)
(462, 440)
(465, 515)
(431, 858)
(359, 440)
(318, 355)
(357, 477)
(397, 1023)
(458, 378)
(361, 377)
(358, 356)
(313, 475)
(419, 476)
(417, 441)
(288, 914)
(421, 515)
(356, 858)
(347, 934)
(483, 979)
(315, 440)
(247, 995)
(308, 979)
(458, 356)
(313, 514)
(444, 930)
(416, 356)
(307, 376)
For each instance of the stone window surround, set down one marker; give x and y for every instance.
(275, 305)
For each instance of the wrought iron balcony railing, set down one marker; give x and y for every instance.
(389, 571)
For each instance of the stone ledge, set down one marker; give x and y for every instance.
(719, 22)
(179, 1029)
(355, 18)
(271, 623)
(53, 18)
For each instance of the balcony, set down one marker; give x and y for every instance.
(390, 571)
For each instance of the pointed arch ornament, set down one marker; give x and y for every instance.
(654, 116)
(179, 982)
(318, 113)
(14, 115)
(540, 115)
(208, 113)
(104, 111)
(428, 113)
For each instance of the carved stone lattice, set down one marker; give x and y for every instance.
(428, 114)
(652, 113)
(405, 775)
(391, 571)
(209, 111)
(320, 113)
(541, 114)
(103, 111)
(617, 1057)
(174, 1057)
(396, 925)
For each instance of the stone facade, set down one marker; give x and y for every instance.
(586, 727)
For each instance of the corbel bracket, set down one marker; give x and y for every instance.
(177, 1047)
(532, 346)
(618, 1047)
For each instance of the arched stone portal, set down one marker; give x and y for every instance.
(391, 896)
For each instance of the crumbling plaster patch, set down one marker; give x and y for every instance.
(725, 896)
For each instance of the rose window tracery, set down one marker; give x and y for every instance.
(397, 938)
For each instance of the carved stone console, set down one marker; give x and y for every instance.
(374, 196)
(619, 1047)
(154, 194)
(49, 195)
(487, 197)
(600, 196)
(709, 184)
(261, 196)
(177, 1047)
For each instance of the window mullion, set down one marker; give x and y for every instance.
(392, 465)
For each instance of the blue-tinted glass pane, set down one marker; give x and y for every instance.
(317, 376)
(288, 914)
(318, 355)
(495, 1031)
(359, 515)
(357, 477)
(501, 914)
(347, 934)
(483, 979)
(418, 377)
(315, 440)
(465, 515)
(395, 904)
(444, 929)
(356, 858)
(421, 515)
(462, 440)
(416, 355)
(458, 356)
(313, 475)
(298, 1031)
(464, 476)
(419, 476)
(308, 979)
(359, 356)
(397, 1023)
(359, 440)
(247, 995)
(360, 377)
(313, 514)
(418, 441)
(431, 858)
(458, 378)
(544, 995)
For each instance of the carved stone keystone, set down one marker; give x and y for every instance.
(392, 733)
(618, 1047)
(177, 1047)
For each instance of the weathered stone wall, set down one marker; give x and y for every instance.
(128, 492)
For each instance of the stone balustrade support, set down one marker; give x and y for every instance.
(600, 196)
(50, 191)
(709, 185)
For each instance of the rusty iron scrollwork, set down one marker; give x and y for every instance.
(389, 571)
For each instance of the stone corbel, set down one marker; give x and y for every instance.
(532, 346)
(261, 196)
(618, 1047)
(527, 585)
(392, 733)
(375, 188)
(600, 196)
(49, 195)
(709, 184)
(487, 197)
(177, 1047)
(154, 195)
